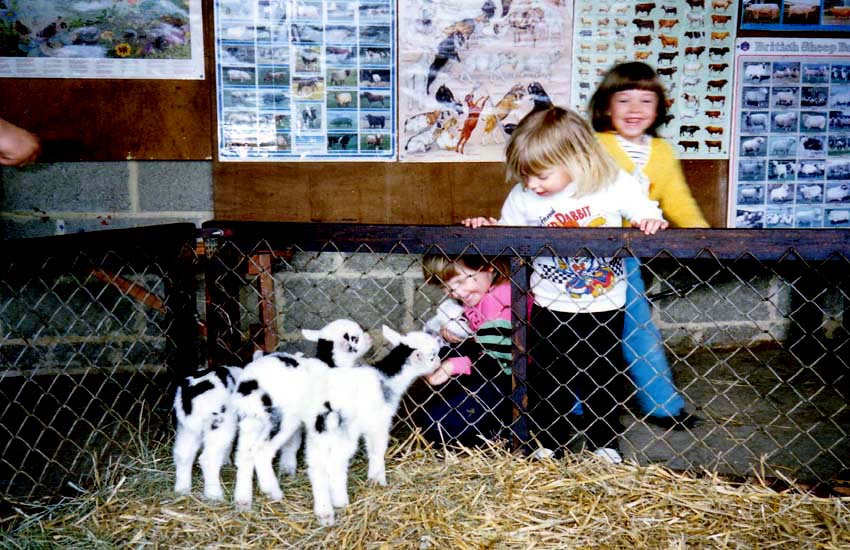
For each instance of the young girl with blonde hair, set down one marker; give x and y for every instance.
(567, 180)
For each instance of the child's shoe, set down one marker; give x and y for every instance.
(542, 453)
(682, 421)
(609, 455)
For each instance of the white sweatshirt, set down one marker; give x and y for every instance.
(579, 284)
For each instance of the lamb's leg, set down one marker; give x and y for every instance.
(344, 449)
(219, 440)
(289, 454)
(377, 440)
(264, 456)
(266, 478)
(250, 435)
(186, 445)
(318, 472)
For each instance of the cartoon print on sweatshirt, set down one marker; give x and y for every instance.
(580, 276)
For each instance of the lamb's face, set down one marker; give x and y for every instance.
(341, 343)
(425, 355)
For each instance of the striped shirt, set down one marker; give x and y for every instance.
(639, 153)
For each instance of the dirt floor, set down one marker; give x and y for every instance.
(763, 412)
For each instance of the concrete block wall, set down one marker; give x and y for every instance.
(57, 198)
(372, 289)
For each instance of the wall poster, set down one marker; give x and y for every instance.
(305, 79)
(101, 39)
(790, 161)
(469, 70)
(688, 42)
(796, 15)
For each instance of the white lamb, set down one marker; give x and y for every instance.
(341, 343)
(362, 401)
(206, 418)
(277, 395)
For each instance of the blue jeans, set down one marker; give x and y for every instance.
(643, 353)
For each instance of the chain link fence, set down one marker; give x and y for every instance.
(93, 328)
(751, 323)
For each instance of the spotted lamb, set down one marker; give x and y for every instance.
(277, 395)
(206, 418)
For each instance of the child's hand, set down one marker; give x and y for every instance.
(449, 336)
(651, 226)
(441, 375)
(480, 221)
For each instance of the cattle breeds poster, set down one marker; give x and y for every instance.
(790, 162)
(688, 42)
(305, 79)
(469, 70)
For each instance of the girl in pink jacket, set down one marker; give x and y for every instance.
(471, 401)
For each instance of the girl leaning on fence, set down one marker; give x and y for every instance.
(567, 180)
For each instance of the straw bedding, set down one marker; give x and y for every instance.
(442, 499)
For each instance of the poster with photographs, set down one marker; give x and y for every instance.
(796, 15)
(305, 79)
(790, 162)
(101, 39)
(469, 70)
(688, 42)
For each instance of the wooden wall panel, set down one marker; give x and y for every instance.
(81, 119)
(395, 192)
(357, 192)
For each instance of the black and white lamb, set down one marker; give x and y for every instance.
(206, 418)
(277, 395)
(362, 401)
(341, 343)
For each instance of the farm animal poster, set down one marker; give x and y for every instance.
(469, 70)
(796, 15)
(305, 79)
(688, 42)
(790, 162)
(101, 39)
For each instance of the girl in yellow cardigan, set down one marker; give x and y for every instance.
(626, 111)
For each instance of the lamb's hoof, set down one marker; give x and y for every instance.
(182, 490)
(214, 495)
(379, 480)
(287, 470)
(325, 520)
(243, 505)
(275, 495)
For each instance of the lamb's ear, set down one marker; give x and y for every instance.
(391, 336)
(312, 335)
(257, 354)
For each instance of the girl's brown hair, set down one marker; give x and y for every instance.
(439, 268)
(626, 76)
(559, 137)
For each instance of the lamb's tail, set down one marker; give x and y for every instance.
(328, 420)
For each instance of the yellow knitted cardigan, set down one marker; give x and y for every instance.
(667, 183)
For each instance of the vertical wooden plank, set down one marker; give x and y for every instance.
(261, 266)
